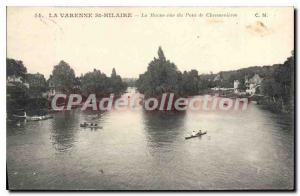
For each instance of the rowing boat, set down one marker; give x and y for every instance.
(33, 118)
(90, 126)
(197, 135)
(93, 127)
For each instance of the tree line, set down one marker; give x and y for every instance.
(64, 79)
(161, 76)
(31, 91)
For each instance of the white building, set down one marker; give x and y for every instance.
(12, 80)
(236, 84)
(253, 84)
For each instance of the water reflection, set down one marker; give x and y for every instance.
(64, 130)
(163, 127)
(147, 150)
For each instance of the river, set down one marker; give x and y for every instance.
(136, 150)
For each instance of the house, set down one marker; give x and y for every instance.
(253, 84)
(217, 78)
(236, 84)
(12, 80)
(256, 79)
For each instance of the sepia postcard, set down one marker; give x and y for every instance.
(150, 98)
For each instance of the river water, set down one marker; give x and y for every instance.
(135, 150)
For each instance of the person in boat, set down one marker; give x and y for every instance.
(194, 133)
(199, 132)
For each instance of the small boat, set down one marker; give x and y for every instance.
(92, 126)
(18, 116)
(37, 118)
(197, 135)
(33, 118)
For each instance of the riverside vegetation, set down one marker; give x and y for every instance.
(29, 92)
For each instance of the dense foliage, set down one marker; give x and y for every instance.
(162, 76)
(63, 77)
(279, 88)
(37, 84)
(16, 68)
(27, 93)
(101, 85)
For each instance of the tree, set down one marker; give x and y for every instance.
(113, 73)
(14, 67)
(95, 82)
(190, 83)
(98, 83)
(161, 54)
(116, 84)
(37, 84)
(161, 76)
(280, 85)
(17, 93)
(63, 77)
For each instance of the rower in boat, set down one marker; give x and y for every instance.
(90, 125)
(199, 132)
(194, 133)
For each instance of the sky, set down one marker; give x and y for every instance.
(244, 37)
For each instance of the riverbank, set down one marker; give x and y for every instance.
(277, 105)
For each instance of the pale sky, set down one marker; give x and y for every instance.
(129, 44)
